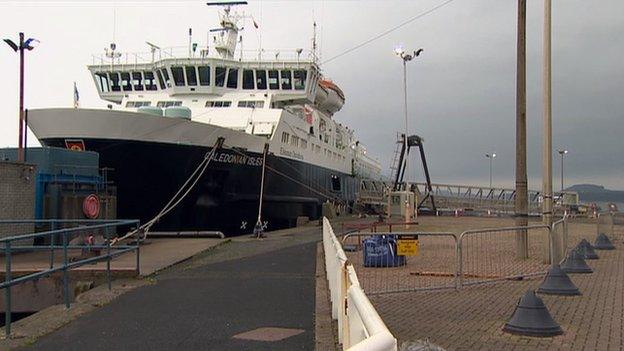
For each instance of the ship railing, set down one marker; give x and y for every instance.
(60, 232)
(182, 54)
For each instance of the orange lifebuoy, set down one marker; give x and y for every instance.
(91, 206)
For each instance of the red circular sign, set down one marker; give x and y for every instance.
(91, 206)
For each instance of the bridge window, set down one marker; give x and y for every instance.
(114, 78)
(102, 80)
(166, 75)
(169, 103)
(191, 76)
(261, 79)
(220, 76)
(304, 144)
(286, 83)
(273, 79)
(161, 81)
(285, 137)
(232, 79)
(218, 103)
(294, 141)
(125, 81)
(178, 76)
(137, 81)
(248, 79)
(204, 75)
(251, 104)
(150, 82)
(300, 79)
(138, 103)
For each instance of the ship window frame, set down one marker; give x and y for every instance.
(137, 104)
(102, 79)
(285, 137)
(232, 78)
(168, 103)
(304, 144)
(251, 103)
(299, 83)
(218, 103)
(248, 79)
(191, 79)
(148, 76)
(126, 83)
(273, 85)
(137, 81)
(261, 82)
(178, 76)
(161, 81)
(286, 81)
(294, 141)
(220, 75)
(204, 75)
(115, 82)
(167, 77)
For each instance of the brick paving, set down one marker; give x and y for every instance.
(472, 318)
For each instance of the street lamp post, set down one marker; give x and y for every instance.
(406, 57)
(562, 152)
(23, 44)
(491, 157)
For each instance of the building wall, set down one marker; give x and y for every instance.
(17, 196)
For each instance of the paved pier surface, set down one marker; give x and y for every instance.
(156, 254)
(221, 300)
(472, 318)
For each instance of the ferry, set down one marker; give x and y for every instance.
(265, 118)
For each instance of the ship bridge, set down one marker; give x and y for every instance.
(288, 81)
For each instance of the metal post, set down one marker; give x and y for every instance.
(20, 150)
(521, 200)
(490, 173)
(547, 137)
(405, 171)
(138, 269)
(108, 263)
(562, 174)
(65, 272)
(53, 228)
(7, 290)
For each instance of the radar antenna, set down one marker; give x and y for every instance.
(225, 41)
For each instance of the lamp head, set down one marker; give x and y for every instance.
(399, 51)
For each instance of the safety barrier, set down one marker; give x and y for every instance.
(489, 255)
(359, 325)
(434, 267)
(561, 243)
(60, 240)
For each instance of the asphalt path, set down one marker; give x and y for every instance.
(201, 306)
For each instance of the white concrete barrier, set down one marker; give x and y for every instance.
(359, 325)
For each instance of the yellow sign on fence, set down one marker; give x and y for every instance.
(407, 247)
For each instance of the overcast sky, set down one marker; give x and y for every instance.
(461, 90)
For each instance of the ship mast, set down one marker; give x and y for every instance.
(225, 41)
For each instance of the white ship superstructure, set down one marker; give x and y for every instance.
(248, 98)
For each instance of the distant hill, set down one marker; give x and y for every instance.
(597, 193)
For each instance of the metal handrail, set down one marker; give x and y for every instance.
(9, 249)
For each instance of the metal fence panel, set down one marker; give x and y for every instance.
(489, 255)
(435, 266)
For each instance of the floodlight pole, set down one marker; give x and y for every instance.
(20, 150)
(521, 200)
(547, 205)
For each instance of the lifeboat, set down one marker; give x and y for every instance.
(329, 97)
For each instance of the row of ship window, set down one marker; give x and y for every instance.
(249, 104)
(299, 142)
(181, 76)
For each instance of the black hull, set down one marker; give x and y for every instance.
(226, 198)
